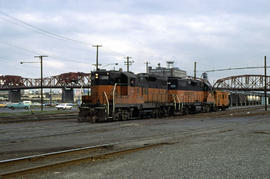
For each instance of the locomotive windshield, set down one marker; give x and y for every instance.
(99, 78)
(112, 77)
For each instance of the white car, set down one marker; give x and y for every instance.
(64, 106)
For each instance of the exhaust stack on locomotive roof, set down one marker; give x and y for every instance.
(205, 76)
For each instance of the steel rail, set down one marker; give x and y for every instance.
(37, 117)
(171, 138)
(76, 161)
(33, 157)
(164, 140)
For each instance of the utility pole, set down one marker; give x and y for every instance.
(195, 64)
(265, 85)
(147, 68)
(41, 79)
(97, 46)
(128, 62)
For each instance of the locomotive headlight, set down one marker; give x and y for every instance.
(96, 76)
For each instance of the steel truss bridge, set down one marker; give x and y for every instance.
(65, 80)
(243, 83)
(83, 80)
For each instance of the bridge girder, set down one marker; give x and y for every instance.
(243, 83)
(65, 80)
(83, 80)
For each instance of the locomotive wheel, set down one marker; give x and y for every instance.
(125, 115)
(207, 108)
(94, 119)
(203, 109)
(155, 113)
(117, 116)
(171, 112)
(185, 111)
(163, 112)
(166, 112)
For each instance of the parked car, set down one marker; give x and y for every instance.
(36, 104)
(19, 105)
(27, 102)
(64, 106)
(51, 104)
(2, 105)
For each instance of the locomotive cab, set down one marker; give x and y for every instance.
(93, 106)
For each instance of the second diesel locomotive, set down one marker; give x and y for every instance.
(117, 95)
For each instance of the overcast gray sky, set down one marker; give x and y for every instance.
(215, 33)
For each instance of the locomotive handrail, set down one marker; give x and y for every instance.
(178, 102)
(108, 104)
(114, 88)
(174, 101)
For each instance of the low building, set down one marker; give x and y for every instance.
(169, 71)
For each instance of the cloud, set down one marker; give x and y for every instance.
(217, 34)
(54, 64)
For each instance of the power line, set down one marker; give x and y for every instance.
(42, 31)
(21, 48)
(30, 28)
(35, 53)
(18, 23)
(238, 68)
(209, 66)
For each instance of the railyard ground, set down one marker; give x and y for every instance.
(234, 144)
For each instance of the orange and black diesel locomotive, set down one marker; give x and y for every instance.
(117, 95)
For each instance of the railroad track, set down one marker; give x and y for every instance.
(37, 117)
(73, 115)
(48, 161)
(31, 164)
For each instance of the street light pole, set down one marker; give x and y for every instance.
(265, 85)
(41, 77)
